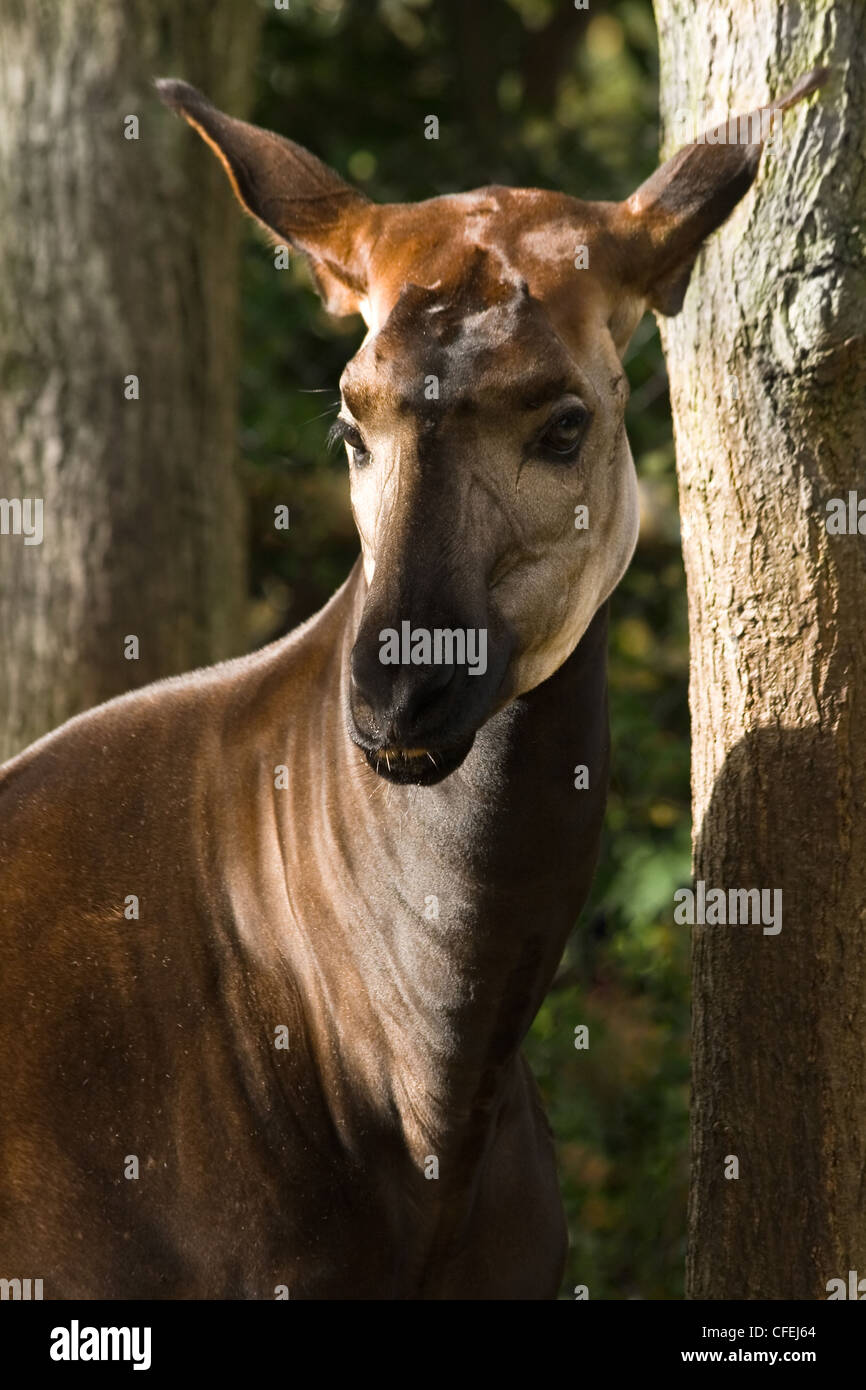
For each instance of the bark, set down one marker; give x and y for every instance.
(117, 257)
(778, 679)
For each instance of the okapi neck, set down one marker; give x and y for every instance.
(458, 898)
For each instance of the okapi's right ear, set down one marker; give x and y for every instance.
(293, 194)
(663, 225)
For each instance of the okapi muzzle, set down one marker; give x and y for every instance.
(429, 658)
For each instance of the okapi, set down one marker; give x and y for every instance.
(355, 877)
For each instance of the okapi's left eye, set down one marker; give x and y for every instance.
(562, 436)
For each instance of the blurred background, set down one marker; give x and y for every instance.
(120, 249)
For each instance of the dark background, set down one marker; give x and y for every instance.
(526, 93)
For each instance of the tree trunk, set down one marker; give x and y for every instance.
(117, 258)
(767, 367)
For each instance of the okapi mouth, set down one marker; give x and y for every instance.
(421, 767)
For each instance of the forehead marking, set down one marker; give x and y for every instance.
(479, 330)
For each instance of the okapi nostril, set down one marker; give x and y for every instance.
(397, 702)
(423, 696)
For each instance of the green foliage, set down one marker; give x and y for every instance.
(527, 92)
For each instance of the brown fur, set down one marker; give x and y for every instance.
(310, 907)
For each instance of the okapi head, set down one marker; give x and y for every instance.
(483, 411)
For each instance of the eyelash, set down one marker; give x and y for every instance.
(343, 431)
(569, 454)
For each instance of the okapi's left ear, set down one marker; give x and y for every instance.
(288, 190)
(664, 223)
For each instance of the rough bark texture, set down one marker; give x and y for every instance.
(117, 257)
(778, 688)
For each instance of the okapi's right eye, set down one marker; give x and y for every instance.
(360, 452)
(344, 430)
